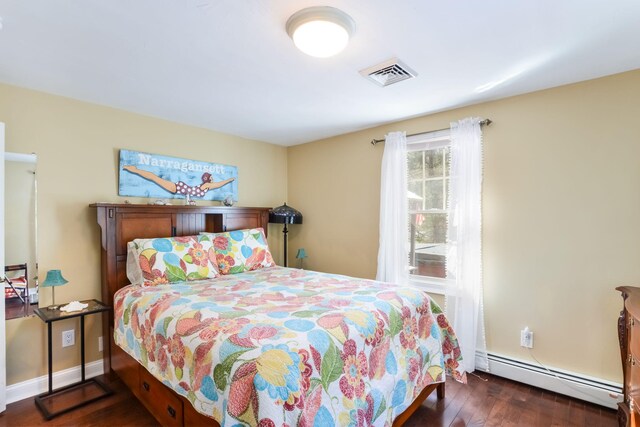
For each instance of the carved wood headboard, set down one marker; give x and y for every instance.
(121, 223)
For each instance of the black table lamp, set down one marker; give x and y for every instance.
(285, 215)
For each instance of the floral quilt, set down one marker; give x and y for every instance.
(288, 347)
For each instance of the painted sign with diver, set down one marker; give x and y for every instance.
(153, 175)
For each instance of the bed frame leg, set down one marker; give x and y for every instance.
(440, 391)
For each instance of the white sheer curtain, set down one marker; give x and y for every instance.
(463, 297)
(393, 254)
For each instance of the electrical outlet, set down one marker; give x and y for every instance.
(100, 348)
(68, 338)
(526, 338)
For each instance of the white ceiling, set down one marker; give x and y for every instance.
(229, 65)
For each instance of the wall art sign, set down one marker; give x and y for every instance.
(153, 175)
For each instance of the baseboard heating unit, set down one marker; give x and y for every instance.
(590, 389)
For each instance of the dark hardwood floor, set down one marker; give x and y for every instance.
(14, 308)
(119, 409)
(502, 402)
(496, 402)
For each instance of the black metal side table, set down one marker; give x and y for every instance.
(65, 399)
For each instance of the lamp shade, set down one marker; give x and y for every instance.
(54, 278)
(301, 253)
(285, 215)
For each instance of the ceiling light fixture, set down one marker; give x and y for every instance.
(321, 31)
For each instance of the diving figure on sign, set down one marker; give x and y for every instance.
(180, 187)
(157, 176)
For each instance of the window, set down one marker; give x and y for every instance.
(428, 180)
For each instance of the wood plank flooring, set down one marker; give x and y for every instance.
(501, 402)
(495, 402)
(14, 308)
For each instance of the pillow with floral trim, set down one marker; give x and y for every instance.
(241, 250)
(175, 259)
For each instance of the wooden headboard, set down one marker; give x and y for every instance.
(121, 223)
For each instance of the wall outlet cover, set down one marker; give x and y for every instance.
(68, 338)
(526, 338)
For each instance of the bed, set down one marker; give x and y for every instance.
(274, 346)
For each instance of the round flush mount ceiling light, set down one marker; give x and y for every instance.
(321, 31)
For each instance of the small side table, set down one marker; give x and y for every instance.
(65, 399)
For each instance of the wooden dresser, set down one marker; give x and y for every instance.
(629, 335)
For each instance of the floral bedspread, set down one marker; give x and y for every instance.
(288, 347)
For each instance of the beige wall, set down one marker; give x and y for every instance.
(77, 145)
(561, 206)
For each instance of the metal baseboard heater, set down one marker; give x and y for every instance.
(590, 389)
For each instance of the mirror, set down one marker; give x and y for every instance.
(20, 234)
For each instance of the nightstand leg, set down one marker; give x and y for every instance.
(50, 357)
(82, 345)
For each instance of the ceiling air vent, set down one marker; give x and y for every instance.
(389, 72)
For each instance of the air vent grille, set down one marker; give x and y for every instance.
(389, 72)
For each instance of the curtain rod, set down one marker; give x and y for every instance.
(485, 122)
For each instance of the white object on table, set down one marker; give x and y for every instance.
(74, 306)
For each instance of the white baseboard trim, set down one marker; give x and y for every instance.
(590, 389)
(35, 386)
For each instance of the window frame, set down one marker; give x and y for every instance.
(423, 142)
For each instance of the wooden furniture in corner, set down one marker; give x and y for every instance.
(122, 223)
(629, 336)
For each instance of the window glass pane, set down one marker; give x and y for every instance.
(428, 174)
(430, 228)
(414, 165)
(433, 162)
(415, 195)
(434, 194)
(428, 244)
